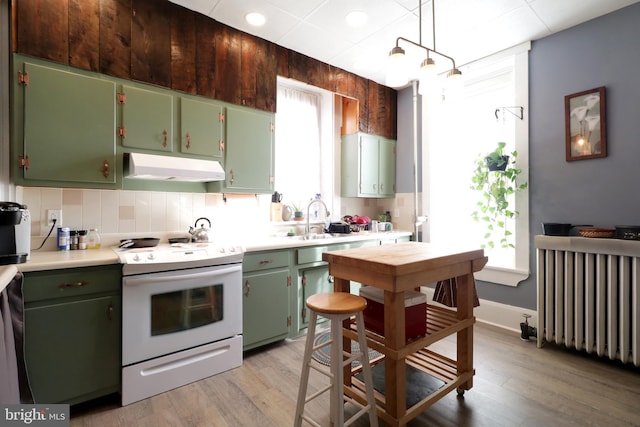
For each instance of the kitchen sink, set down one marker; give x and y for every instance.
(318, 236)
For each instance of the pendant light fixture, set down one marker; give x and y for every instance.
(397, 73)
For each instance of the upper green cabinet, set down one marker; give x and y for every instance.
(202, 127)
(64, 127)
(368, 166)
(147, 119)
(249, 151)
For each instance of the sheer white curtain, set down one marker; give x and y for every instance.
(297, 175)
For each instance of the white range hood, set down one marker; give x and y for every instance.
(167, 168)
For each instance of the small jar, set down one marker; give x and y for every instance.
(93, 239)
(82, 239)
(73, 245)
(63, 238)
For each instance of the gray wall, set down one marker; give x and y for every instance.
(601, 52)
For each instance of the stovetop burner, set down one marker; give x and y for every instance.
(176, 256)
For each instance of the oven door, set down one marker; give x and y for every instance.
(175, 310)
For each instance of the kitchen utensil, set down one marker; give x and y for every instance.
(174, 240)
(287, 213)
(627, 232)
(276, 197)
(145, 242)
(597, 232)
(339, 227)
(200, 234)
(559, 228)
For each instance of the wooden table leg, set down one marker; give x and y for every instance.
(465, 298)
(394, 370)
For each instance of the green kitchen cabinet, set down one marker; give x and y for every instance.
(146, 118)
(72, 333)
(368, 166)
(202, 127)
(312, 276)
(64, 126)
(266, 288)
(249, 151)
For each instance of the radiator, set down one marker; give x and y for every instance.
(589, 295)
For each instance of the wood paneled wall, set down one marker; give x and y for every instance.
(159, 42)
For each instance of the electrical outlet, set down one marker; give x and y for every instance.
(54, 214)
(51, 215)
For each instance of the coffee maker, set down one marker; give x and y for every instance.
(15, 233)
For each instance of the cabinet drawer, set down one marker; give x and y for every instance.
(265, 260)
(314, 254)
(72, 282)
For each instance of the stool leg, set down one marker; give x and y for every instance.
(337, 356)
(304, 376)
(366, 370)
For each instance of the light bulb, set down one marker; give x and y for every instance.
(396, 69)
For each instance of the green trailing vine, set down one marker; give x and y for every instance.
(495, 188)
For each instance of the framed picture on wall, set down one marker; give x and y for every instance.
(585, 124)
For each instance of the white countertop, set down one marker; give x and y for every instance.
(7, 272)
(53, 260)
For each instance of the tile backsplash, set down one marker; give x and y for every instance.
(138, 212)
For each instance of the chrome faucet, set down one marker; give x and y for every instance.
(308, 229)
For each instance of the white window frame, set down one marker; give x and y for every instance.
(491, 273)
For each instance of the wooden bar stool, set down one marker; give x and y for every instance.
(336, 307)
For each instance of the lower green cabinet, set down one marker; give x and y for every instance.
(72, 333)
(266, 288)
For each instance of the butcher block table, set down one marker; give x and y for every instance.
(396, 269)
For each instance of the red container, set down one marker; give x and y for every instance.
(415, 304)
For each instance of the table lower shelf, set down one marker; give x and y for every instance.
(436, 375)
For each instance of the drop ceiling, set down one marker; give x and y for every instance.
(464, 29)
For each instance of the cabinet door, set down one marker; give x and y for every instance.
(201, 128)
(369, 170)
(249, 149)
(265, 308)
(147, 119)
(387, 167)
(69, 126)
(314, 280)
(72, 349)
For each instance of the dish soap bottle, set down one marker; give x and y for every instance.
(93, 239)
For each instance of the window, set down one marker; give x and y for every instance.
(303, 139)
(456, 132)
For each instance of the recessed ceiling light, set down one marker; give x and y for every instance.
(256, 19)
(356, 18)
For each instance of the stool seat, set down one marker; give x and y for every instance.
(336, 303)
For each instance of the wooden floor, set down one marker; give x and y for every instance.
(516, 384)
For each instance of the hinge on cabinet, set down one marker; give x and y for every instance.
(23, 78)
(304, 313)
(24, 162)
(289, 320)
(272, 127)
(122, 132)
(289, 280)
(122, 98)
(221, 117)
(304, 280)
(221, 145)
(271, 180)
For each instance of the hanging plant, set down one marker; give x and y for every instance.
(496, 179)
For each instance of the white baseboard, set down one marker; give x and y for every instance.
(493, 313)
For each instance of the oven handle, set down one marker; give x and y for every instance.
(140, 280)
